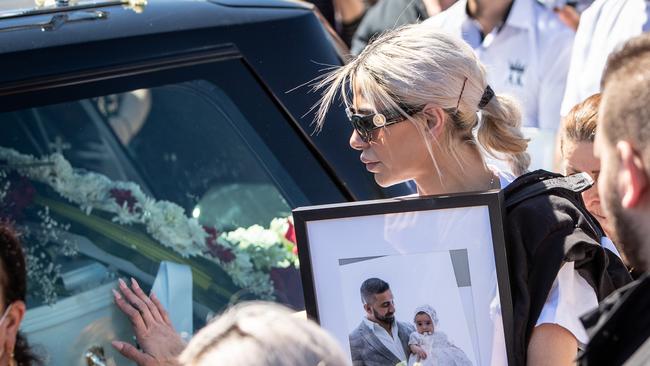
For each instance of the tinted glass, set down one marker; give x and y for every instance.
(170, 185)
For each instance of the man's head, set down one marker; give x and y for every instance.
(378, 301)
(263, 334)
(623, 145)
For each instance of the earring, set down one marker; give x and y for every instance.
(12, 360)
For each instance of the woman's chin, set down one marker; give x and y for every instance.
(383, 181)
(606, 225)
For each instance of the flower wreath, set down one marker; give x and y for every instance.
(247, 255)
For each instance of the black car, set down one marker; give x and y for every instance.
(165, 141)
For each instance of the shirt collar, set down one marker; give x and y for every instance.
(522, 14)
(370, 324)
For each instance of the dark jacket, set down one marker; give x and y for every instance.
(367, 349)
(384, 16)
(547, 225)
(619, 327)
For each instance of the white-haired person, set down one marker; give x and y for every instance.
(423, 111)
(249, 333)
(264, 334)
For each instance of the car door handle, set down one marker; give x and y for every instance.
(95, 356)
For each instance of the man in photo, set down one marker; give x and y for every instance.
(379, 339)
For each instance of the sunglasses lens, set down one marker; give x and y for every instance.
(363, 125)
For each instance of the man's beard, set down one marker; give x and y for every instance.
(625, 234)
(387, 319)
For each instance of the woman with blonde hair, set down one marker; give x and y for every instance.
(577, 151)
(421, 110)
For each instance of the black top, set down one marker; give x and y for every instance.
(384, 16)
(619, 326)
(548, 225)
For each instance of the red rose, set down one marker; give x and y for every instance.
(217, 250)
(124, 196)
(291, 233)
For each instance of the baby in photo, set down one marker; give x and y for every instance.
(431, 347)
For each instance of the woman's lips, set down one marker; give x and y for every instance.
(371, 166)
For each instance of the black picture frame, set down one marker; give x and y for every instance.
(493, 200)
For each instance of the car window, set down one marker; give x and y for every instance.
(170, 185)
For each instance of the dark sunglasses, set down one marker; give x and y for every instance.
(364, 124)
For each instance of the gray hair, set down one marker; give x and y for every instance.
(264, 334)
(418, 64)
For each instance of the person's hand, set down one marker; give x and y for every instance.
(153, 330)
(419, 352)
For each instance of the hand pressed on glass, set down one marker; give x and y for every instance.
(153, 329)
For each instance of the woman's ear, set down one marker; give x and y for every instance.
(11, 323)
(435, 119)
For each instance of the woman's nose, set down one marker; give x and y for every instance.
(356, 142)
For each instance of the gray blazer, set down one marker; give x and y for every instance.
(367, 349)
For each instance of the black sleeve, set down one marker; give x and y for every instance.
(543, 233)
(383, 16)
(368, 27)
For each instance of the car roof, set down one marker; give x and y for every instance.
(282, 42)
(24, 27)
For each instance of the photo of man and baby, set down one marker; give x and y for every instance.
(382, 340)
(405, 312)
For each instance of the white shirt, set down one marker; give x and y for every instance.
(391, 341)
(571, 297)
(603, 26)
(527, 57)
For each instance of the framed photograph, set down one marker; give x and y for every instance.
(391, 278)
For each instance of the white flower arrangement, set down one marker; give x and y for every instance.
(247, 254)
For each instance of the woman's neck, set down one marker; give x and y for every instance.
(473, 176)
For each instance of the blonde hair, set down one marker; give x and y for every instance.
(265, 334)
(417, 64)
(581, 122)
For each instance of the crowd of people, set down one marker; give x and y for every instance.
(442, 103)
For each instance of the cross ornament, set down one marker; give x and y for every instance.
(59, 145)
